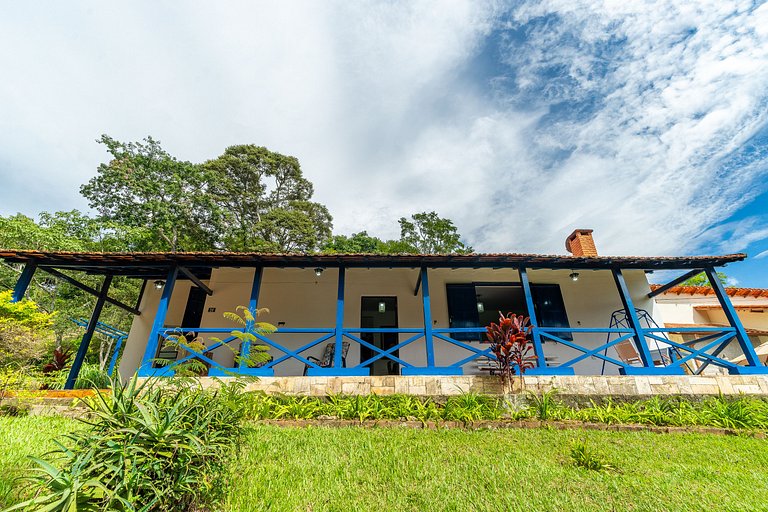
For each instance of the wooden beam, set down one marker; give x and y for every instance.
(92, 291)
(74, 371)
(675, 282)
(192, 277)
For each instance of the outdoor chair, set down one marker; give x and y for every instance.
(628, 353)
(326, 361)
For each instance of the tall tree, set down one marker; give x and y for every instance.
(143, 186)
(427, 233)
(266, 200)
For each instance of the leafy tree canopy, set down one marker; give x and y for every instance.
(425, 233)
(428, 233)
(265, 201)
(143, 186)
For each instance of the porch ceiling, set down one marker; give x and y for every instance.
(155, 264)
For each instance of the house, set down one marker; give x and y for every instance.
(368, 314)
(697, 306)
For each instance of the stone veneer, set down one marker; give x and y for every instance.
(577, 387)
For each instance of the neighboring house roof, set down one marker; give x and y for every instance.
(755, 332)
(707, 290)
(758, 307)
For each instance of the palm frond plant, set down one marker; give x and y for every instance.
(245, 317)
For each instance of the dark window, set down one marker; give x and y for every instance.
(477, 305)
(550, 309)
(462, 310)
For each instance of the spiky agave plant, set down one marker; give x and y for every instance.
(511, 344)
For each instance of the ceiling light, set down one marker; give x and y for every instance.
(382, 307)
(574, 276)
(480, 307)
(319, 271)
(159, 284)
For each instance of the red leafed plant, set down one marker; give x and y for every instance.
(511, 344)
(60, 360)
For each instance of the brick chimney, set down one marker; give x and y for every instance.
(580, 243)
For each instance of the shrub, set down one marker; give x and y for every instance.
(510, 341)
(91, 376)
(147, 447)
(25, 331)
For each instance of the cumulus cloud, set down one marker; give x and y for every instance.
(520, 122)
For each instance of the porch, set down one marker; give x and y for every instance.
(316, 302)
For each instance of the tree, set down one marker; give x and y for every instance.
(358, 243)
(70, 231)
(143, 186)
(701, 279)
(266, 201)
(427, 233)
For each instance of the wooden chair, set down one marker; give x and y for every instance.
(627, 352)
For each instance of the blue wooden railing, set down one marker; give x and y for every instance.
(716, 339)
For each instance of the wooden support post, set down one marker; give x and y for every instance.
(427, 306)
(537, 346)
(733, 318)
(337, 355)
(145, 370)
(24, 280)
(74, 371)
(253, 304)
(632, 319)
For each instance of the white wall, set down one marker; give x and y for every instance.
(300, 299)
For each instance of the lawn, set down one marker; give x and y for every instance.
(320, 468)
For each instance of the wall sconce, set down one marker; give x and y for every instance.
(382, 307)
(159, 284)
(319, 271)
(480, 307)
(574, 276)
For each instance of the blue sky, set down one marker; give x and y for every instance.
(521, 121)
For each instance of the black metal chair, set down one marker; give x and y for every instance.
(328, 354)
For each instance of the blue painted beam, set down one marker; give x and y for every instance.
(427, 307)
(538, 348)
(337, 355)
(733, 319)
(674, 282)
(146, 370)
(74, 371)
(113, 360)
(253, 305)
(632, 319)
(23, 282)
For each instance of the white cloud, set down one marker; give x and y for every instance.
(761, 255)
(388, 110)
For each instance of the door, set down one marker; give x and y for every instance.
(193, 314)
(379, 313)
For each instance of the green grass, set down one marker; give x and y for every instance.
(22, 436)
(320, 468)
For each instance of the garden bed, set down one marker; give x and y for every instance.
(508, 424)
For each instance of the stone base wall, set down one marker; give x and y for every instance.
(580, 387)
